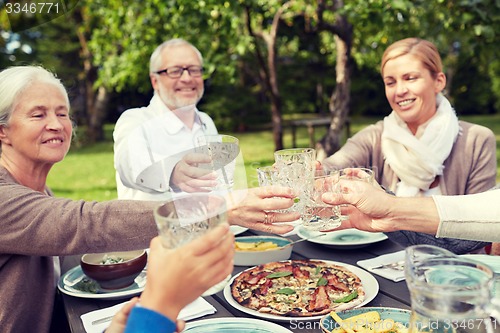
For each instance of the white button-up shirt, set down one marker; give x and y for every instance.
(148, 142)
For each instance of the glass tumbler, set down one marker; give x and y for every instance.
(185, 218)
(295, 169)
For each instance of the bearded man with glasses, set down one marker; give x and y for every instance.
(153, 145)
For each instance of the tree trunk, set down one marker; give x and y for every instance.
(96, 100)
(268, 72)
(340, 100)
(97, 114)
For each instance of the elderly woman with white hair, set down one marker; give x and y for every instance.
(35, 133)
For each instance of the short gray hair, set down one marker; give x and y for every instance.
(155, 60)
(15, 80)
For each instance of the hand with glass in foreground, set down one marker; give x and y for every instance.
(185, 218)
(176, 278)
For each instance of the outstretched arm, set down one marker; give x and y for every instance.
(371, 209)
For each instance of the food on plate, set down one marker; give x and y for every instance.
(254, 246)
(108, 260)
(368, 322)
(298, 288)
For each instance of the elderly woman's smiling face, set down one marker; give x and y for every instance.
(39, 130)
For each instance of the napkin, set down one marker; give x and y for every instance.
(374, 265)
(199, 308)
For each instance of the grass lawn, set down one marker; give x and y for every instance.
(88, 173)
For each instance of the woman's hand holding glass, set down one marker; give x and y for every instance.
(295, 169)
(264, 208)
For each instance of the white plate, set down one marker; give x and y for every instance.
(234, 325)
(368, 281)
(345, 239)
(236, 229)
(67, 285)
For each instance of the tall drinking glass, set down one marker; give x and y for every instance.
(185, 218)
(318, 215)
(295, 169)
(267, 175)
(223, 150)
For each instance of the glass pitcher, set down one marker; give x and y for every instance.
(449, 293)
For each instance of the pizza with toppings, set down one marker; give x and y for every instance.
(298, 288)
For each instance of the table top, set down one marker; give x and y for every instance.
(391, 294)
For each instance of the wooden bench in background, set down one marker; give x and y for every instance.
(311, 124)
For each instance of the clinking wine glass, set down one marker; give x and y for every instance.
(185, 218)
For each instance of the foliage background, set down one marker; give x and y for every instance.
(107, 43)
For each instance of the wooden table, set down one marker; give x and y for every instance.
(391, 294)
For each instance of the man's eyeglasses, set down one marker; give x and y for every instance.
(177, 71)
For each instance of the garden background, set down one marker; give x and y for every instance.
(267, 62)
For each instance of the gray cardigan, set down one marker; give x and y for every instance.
(470, 168)
(34, 227)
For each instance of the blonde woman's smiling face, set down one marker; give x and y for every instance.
(411, 90)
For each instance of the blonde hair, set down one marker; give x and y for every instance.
(422, 49)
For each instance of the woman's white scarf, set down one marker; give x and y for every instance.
(415, 161)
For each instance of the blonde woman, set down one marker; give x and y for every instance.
(421, 148)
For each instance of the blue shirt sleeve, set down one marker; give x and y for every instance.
(143, 320)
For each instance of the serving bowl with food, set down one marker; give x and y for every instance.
(114, 270)
(257, 250)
